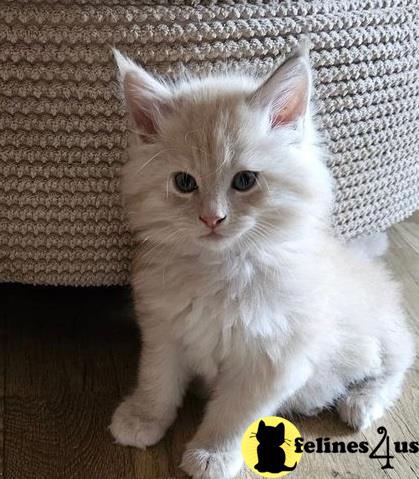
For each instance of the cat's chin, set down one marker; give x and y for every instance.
(212, 237)
(215, 241)
(223, 242)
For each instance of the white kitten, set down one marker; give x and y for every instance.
(238, 278)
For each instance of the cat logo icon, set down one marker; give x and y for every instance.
(268, 447)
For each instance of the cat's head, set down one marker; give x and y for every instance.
(271, 435)
(223, 161)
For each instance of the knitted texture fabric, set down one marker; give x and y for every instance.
(63, 129)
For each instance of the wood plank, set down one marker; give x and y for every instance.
(70, 331)
(2, 387)
(62, 386)
(63, 435)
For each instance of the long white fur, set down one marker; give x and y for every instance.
(276, 317)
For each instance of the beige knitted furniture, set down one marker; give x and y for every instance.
(63, 129)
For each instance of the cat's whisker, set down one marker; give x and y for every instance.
(222, 164)
(170, 252)
(134, 131)
(262, 232)
(265, 221)
(167, 186)
(264, 180)
(146, 255)
(265, 228)
(264, 267)
(264, 235)
(177, 238)
(251, 244)
(161, 152)
(150, 160)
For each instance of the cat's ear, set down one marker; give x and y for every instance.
(261, 426)
(286, 93)
(146, 97)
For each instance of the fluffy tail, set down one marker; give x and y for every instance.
(370, 247)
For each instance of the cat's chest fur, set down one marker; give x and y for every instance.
(216, 311)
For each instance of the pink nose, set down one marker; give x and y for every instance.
(212, 221)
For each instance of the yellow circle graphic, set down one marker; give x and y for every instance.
(268, 446)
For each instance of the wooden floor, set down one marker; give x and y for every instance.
(68, 355)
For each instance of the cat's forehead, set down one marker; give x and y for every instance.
(210, 131)
(211, 119)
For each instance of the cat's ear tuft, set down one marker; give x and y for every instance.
(287, 91)
(145, 96)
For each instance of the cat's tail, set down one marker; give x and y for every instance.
(370, 247)
(286, 468)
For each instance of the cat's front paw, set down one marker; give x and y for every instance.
(203, 463)
(130, 427)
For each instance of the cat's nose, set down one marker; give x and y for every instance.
(212, 221)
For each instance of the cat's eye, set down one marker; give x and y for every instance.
(185, 182)
(244, 180)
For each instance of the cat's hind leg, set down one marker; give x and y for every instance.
(367, 400)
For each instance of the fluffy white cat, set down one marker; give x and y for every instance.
(238, 278)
